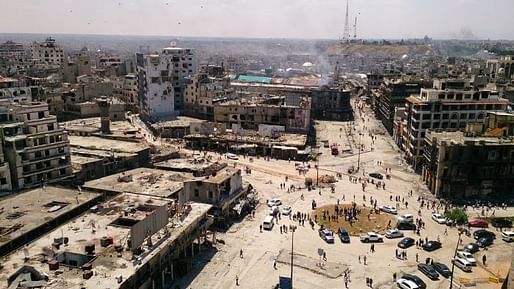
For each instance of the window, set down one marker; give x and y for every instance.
(197, 193)
(211, 195)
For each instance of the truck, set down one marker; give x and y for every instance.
(371, 237)
(334, 149)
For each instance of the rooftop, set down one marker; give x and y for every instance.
(105, 144)
(285, 139)
(458, 137)
(188, 164)
(142, 181)
(21, 213)
(92, 125)
(90, 229)
(181, 121)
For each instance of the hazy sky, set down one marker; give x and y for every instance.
(263, 18)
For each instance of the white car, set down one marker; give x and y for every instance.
(388, 209)
(232, 156)
(406, 284)
(462, 264)
(406, 218)
(371, 237)
(273, 211)
(274, 202)
(286, 211)
(468, 257)
(440, 219)
(394, 233)
(508, 236)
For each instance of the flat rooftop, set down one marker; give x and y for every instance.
(89, 229)
(458, 137)
(24, 212)
(144, 181)
(99, 143)
(285, 139)
(188, 164)
(92, 125)
(180, 121)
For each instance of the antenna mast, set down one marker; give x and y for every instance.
(355, 29)
(346, 35)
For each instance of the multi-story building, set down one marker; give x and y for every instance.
(162, 80)
(458, 164)
(392, 94)
(125, 89)
(449, 105)
(36, 149)
(501, 68)
(331, 104)
(12, 50)
(15, 90)
(47, 52)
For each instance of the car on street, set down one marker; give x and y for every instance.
(406, 226)
(467, 256)
(286, 211)
(326, 235)
(483, 234)
(508, 236)
(274, 202)
(371, 237)
(406, 284)
(406, 243)
(440, 219)
(471, 247)
(343, 235)
(376, 176)
(406, 218)
(273, 211)
(431, 245)
(462, 264)
(442, 269)
(393, 233)
(485, 242)
(420, 283)
(428, 270)
(388, 209)
(478, 223)
(232, 156)
(501, 223)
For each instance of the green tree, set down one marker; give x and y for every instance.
(457, 215)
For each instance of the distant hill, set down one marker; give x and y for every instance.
(394, 50)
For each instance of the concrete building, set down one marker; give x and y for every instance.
(449, 105)
(392, 94)
(11, 50)
(162, 82)
(47, 52)
(16, 90)
(36, 149)
(130, 242)
(331, 104)
(125, 89)
(500, 69)
(460, 165)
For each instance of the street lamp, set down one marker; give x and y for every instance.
(453, 260)
(359, 157)
(293, 228)
(317, 166)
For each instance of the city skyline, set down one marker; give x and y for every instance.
(311, 19)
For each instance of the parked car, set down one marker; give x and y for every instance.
(467, 256)
(273, 211)
(501, 223)
(393, 233)
(442, 269)
(376, 175)
(428, 270)
(440, 219)
(420, 283)
(462, 264)
(232, 156)
(485, 242)
(431, 245)
(343, 235)
(483, 234)
(406, 226)
(406, 284)
(274, 202)
(371, 237)
(406, 218)
(326, 235)
(406, 243)
(478, 223)
(472, 248)
(286, 211)
(508, 236)
(388, 209)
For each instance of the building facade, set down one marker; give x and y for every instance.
(36, 149)
(331, 104)
(162, 80)
(47, 52)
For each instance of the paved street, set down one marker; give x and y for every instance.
(256, 268)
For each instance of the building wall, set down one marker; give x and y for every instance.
(331, 104)
(47, 52)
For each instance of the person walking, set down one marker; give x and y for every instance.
(237, 280)
(241, 253)
(484, 260)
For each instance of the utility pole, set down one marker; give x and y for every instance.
(293, 228)
(317, 166)
(453, 263)
(359, 157)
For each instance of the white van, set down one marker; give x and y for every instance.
(267, 224)
(462, 264)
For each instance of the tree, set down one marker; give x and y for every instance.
(457, 215)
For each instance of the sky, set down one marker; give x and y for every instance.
(318, 19)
